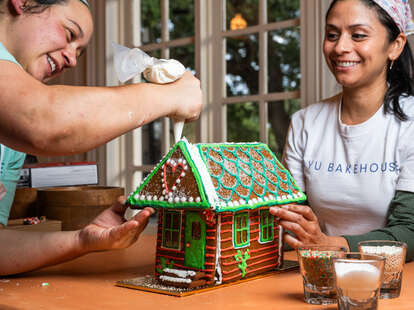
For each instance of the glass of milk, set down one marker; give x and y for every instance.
(316, 268)
(358, 280)
(394, 253)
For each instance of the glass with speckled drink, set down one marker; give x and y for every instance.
(394, 253)
(317, 272)
(358, 280)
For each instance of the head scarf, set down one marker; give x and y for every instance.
(400, 12)
(85, 2)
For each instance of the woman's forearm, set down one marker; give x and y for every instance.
(64, 120)
(23, 251)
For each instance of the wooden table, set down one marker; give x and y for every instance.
(88, 283)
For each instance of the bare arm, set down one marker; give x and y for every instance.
(24, 251)
(56, 120)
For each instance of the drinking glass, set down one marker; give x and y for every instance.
(317, 272)
(358, 280)
(394, 253)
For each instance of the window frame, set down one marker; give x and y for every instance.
(238, 231)
(170, 230)
(269, 226)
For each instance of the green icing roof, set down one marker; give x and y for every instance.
(247, 176)
(228, 177)
(140, 198)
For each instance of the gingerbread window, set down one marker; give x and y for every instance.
(172, 230)
(241, 229)
(266, 226)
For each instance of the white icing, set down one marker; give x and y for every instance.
(180, 273)
(204, 174)
(164, 71)
(219, 274)
(130, 213)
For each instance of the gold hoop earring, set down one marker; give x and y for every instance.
(392, 63)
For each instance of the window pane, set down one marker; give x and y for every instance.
(242, 60)
(151, 142)
(175, 240)
(279, 119)
(151, 21)
(284, 60)
(243, 122)
(185, 55)
(241, 13)
(279, 10)
(181, 23)
(156, 53)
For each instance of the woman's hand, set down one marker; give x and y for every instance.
(109, 230)
(186, 96)
(301, 221)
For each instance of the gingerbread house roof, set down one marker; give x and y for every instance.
(222, 177)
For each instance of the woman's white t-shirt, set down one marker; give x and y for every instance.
(350, 173)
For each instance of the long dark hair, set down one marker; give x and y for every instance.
(39, 6)
(400, 77)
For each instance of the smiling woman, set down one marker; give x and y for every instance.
(39, 39)
(353, 153)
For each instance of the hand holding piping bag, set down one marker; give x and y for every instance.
(132, 62)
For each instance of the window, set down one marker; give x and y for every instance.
(247, 57)
(241, 230)
(262, 70)
(266, 226)
(171, 236)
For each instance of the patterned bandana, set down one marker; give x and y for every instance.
(400, 12)
(85, 2)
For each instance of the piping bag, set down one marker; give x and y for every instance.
(130, 63)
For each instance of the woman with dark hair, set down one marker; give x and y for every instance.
(39, 39)
(353, 154)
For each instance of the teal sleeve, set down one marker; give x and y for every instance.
(9, 176)
(5, 55)
(400, 224)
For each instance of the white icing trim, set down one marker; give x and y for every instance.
(180, 273)
(210, 191)
(176, 280)
(218, 280)
(279, 259)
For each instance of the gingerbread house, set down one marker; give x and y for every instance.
(213, 202)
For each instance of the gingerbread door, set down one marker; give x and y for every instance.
(195, 240)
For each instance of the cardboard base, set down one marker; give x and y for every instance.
(150, 284)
